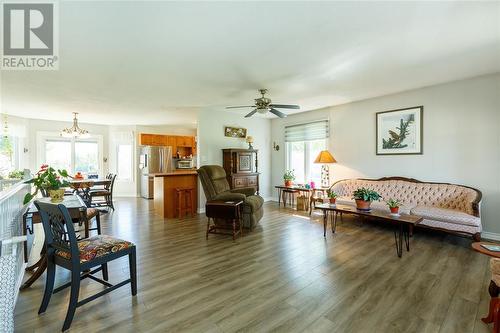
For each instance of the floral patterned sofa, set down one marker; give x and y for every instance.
(449, 207)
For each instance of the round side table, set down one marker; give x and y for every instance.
(493, 289)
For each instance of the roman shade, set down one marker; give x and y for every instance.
(309, 131)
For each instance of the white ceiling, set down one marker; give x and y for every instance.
(161, 62)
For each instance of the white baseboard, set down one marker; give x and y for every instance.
(270, 199)
(201, 210)
(490, 236)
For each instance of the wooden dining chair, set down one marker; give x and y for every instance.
(106, 193)
(80, 257)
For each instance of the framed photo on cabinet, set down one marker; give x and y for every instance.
(400, 132)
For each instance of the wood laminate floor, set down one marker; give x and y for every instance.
(284, 277)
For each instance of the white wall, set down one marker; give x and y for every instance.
(211, 140)
(167, 129)
(461, 139)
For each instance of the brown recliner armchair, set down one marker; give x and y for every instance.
(216, 187)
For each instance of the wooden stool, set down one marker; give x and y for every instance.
(184, 194)
(290, 195)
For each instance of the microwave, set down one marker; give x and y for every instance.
(184, 164)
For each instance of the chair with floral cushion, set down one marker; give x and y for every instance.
(83, 258)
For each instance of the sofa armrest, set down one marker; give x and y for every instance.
(247, 191)
(228, 196)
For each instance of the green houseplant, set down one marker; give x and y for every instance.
(49, 180)
(364, 197)
(394, 205)
(289, 177)
(16, 174)
(332, 196)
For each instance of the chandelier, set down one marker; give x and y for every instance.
(75, 131)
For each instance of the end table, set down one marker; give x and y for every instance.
(229, 211)
(494, 290)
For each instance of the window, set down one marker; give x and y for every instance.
(125, 156)
(303, 144)
(86, 157)
(73, 155)
(58, 154)
(8, 155)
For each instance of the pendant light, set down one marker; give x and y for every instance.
(75, 131)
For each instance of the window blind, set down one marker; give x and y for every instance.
(305, 132)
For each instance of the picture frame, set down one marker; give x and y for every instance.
(400, 131)
(235, 132)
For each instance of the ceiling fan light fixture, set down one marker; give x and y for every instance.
(264, 110)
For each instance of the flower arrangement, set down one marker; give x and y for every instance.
(393, 205)
(50, 180)
(288, 177)
(364, 197)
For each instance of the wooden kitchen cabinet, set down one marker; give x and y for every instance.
(184, 141)
(172, 142)
(186, 145)
(146, 139)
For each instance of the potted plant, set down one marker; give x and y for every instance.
(394, 205)
(332, 196)
(16, 174)
(364, 197)
(49, 180)
(289, 177)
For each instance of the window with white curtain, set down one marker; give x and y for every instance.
(303, 144)
(125, 156)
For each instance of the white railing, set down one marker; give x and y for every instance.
(11, 250)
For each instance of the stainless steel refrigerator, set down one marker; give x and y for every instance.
(153, 159)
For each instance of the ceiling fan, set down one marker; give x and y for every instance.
(263, 105)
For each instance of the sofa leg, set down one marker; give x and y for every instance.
(477, 237)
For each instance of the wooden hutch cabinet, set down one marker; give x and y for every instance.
(241, 166)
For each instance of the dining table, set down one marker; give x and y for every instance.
(77, 210)
(308, 192)
(82, 187)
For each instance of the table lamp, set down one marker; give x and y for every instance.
(325, 158)
(249, 140)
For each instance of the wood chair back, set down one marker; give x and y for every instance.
(58, 228)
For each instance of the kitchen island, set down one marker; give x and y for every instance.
(164, 190)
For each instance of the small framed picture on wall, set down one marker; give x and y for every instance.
(400, 132)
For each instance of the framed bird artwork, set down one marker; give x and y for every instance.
(400, 132)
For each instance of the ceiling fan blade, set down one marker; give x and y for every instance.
(284, 106)
(251, 114)
(276, 112)
(241, 106)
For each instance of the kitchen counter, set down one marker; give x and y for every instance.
(165, 201)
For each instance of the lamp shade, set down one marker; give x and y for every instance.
(325, 157)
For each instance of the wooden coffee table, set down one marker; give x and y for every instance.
(403, 222)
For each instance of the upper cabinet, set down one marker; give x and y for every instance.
(184, 141)
(185, 145)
